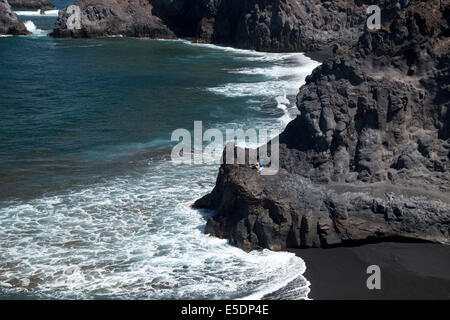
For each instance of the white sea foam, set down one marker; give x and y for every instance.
(283, 103)
(132, 238)
(285, 73)
(31, 27)
(288, 77)
(225, 48)
(48, 13)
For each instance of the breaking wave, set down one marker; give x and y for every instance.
(283, 77)
(47, 13)
(134, 238)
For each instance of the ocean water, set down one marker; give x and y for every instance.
(91, 205)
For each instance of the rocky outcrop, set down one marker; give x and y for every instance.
(367, 159)
(287, 25)
(31, 4)
(9, 22)
(265, 25)
(276, 25)
(130, 18)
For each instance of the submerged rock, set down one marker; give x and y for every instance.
(31, 4)
(9, 21)
(367, 159)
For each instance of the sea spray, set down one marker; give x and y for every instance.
(31, 27)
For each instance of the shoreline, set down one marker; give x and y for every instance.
(408, 271)
(64, 204)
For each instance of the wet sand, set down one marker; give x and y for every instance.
(408, 271)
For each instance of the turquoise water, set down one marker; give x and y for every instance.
(91, 205)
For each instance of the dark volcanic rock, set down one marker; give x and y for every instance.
(131, 18)
(288, 25)
(31, 4)
(265, 25)
(9, 21)
(368, 158)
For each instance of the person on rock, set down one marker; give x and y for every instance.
(259, 166)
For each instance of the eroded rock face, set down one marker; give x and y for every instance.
(265, 25)
(368, 158)
(283, 25)
(131, 18)
(31, 4)
(289, 25)
(9, 21)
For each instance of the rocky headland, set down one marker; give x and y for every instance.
(31, 4)
(9, 21)
(367, 159)
(264, 25)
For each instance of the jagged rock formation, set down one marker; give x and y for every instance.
(9, 21)
(276, 25)
(31, 4)
(265, 25)
(286, 25)
(131, 18)
(368, 158)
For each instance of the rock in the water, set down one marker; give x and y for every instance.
(9, 21)
(130, 18)
(367, 159)
(276, 25)
(31, 4)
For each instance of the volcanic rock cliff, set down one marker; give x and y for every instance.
(9, 21)
(31, 4)
(131, 18)
(368, 158)
(265, 25)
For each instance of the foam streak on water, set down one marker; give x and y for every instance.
(283, 79)
(49, 13)
(131, 238)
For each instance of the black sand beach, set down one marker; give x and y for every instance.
(408, 271)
